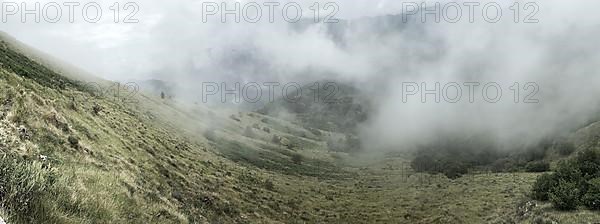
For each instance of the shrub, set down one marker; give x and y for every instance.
(568, 171)
(565, 195)
(73, 141)
(588, 162)
(538, 166)
(591, 199)
(454, 169)
(575, 182)
(97, 109)
(542, 187)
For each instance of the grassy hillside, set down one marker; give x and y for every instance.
(101, 159)
(68, 155)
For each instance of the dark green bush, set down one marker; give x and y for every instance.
(575, 182)
(73, 141)
(591, 199)
(588, 162)
(565, 195)
(454, 169)
(96, 109)
(538, 166)
(568, 171)
(542, 186)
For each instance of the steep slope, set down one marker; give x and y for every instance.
(48, 61)
(109, 162)
(126, 161)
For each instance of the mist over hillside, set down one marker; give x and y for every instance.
(379, 54)
(375, 115)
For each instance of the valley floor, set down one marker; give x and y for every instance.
(389, 192)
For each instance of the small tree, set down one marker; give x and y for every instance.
(542, 186)
(575, 182)
(454, 169)
(565, 195)
(591, 199)
(568, 171)
(588, 162)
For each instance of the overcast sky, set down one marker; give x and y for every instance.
(116, 50)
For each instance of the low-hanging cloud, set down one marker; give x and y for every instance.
(374, 49)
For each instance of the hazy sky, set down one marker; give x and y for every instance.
(116, 50)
